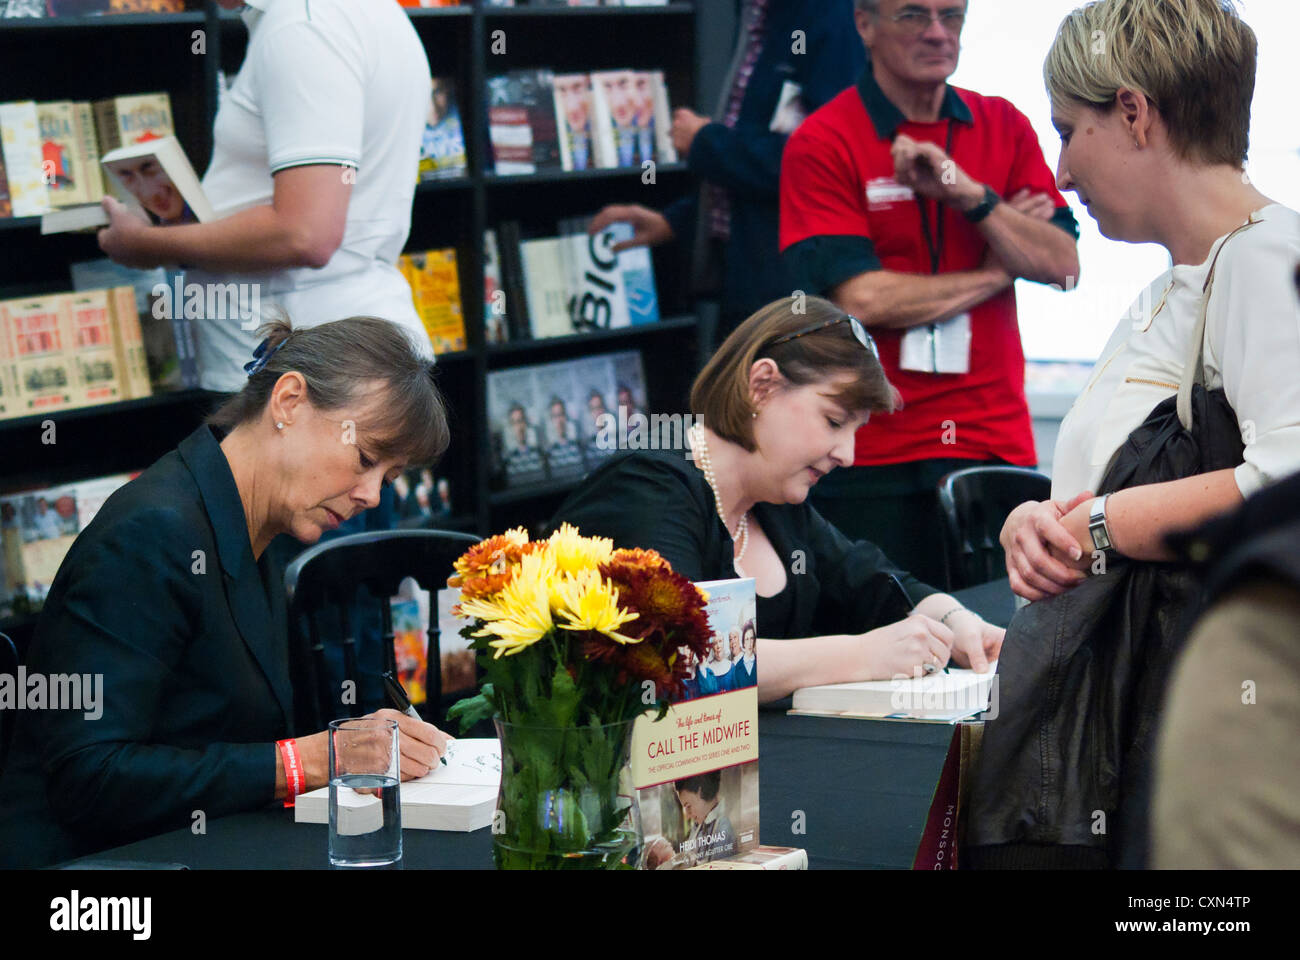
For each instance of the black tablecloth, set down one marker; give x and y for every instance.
(853, 793)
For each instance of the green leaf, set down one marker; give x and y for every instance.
(471, 710)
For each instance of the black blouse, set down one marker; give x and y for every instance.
(659, 500)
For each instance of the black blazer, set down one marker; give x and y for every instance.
(161, 595)
(659, 500)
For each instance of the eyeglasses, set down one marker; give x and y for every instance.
(859, 332)
(916, 22)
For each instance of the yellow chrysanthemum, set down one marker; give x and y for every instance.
(573, 552)
(521, 614)
(591, 603)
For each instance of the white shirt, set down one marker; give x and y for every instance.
(1252, 350)
(341, 82)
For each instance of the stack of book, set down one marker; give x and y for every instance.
(67, 350)
(539, 120)
(36, 529)
(565, 284)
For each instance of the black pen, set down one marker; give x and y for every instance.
(401, 701)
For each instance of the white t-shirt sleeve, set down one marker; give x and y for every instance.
(1254, 320)
(312, 90)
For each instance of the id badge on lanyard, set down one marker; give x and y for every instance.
(936, 347)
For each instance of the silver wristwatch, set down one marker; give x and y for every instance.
(1097, 526)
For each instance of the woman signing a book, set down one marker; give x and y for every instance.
(167, 597)
(776, 409)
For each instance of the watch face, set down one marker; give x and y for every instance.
(1099, 538)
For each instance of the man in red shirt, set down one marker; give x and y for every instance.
(915, 206)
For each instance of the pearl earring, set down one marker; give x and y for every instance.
(279, 425)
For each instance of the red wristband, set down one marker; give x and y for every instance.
(294, 780)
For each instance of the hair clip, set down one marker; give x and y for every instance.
(262, 356)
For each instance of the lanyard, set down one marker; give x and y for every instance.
(934, 246)
(935, 249)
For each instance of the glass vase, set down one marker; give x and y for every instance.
(565, 801)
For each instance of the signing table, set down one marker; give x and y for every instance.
(853, 793)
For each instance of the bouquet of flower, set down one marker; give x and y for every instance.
(576, 639)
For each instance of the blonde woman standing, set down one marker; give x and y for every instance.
(1152, 102)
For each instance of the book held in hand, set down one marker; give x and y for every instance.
(154, 178)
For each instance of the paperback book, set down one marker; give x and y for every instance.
(442, 149)
(460, 795)
(20, 140)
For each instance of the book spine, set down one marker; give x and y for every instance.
(92, 179)
(6, 203)
(186, 357)
(495, 329)
(8, 385)
(99, 372)
(109, 131)
(129, 341)
(13, 588)
(664, 150)
(512, 276)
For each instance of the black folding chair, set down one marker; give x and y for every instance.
(975, 503)
(9, 665)
(360, 571)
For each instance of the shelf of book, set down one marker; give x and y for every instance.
(533, 491)
(130, 435)
(555, 176)
(180, 399)
(434, 13)
(20, 223)
(512, 12)
(533, 348)
(438, 186)
(112, 20)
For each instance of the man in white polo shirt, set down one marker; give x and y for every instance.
(313, 171)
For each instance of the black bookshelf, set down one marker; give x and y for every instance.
(134, 53)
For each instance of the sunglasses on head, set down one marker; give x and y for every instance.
(859, 332)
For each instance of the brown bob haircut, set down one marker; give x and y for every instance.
(720, 395)
(345, 363)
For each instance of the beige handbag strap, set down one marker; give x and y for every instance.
(1194, 365)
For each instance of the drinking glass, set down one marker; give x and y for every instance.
(365, 811)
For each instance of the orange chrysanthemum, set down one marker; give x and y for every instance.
(649, 560)
(486, 568)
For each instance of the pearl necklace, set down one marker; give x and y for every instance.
(742, 531)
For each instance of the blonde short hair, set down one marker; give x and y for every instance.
(1193, 59)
